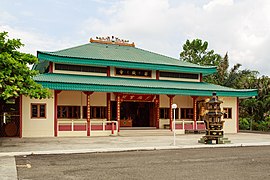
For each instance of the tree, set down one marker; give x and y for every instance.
(261, 105)
(196, 52)
(15, 77)
(256, 110)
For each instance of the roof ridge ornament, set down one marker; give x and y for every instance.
(112, 40)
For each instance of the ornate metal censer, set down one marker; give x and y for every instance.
(213, 123)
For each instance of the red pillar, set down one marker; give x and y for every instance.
(108, 71)
(88, 113)
(20, 135)
(51, 67)
(237, 114)
(157, 111)
(56, 92)
(118, 110)
(108, 106)
(157, 74)
(194, 111)
(157, 103)
(171, 111)
(113, 128)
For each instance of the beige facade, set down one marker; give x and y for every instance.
(230, 125)
(37, 127)
(44, 127)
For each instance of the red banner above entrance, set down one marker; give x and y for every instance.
(137, 97)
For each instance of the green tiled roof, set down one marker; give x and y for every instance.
(121, 56)
(139, 86)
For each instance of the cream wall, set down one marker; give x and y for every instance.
(112, 71)
(179, 79)
(37, 127)
(164, 101)
(98, 99)
(78, 98)
(230, 125)
(74, 98)
(154, 74)
(181, 101)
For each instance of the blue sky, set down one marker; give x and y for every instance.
(239, 27)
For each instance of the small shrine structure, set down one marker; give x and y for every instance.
(214, 123)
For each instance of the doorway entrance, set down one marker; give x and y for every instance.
(10, 118)
(135, 114)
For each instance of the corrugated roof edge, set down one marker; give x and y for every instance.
(225, 91)
(118, 63)
(186, 63)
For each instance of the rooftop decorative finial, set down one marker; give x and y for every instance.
(112, 40)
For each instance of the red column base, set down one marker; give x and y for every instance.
(88, 128)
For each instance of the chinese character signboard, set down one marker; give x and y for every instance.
(133, 72)
(137, 97)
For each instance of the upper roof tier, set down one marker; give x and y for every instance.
(120, 56)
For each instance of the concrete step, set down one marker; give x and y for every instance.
(146, 132)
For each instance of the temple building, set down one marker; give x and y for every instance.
(108, 85)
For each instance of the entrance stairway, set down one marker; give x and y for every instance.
(144, 132)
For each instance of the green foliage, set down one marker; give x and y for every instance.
(254, 108)
(244, 123)
(264, 126)
(196, 52)
(259, 107)
(15, 77)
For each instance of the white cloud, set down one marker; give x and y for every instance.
(34, 41)
(240, 27)
(217, 4)
(6, 17)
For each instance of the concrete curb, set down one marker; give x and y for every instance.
(107, 150)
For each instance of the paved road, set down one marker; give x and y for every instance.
(208, 163)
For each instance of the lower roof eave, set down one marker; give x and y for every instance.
(145, 90)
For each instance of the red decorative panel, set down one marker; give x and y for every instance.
(178, 126)
(64, 127)
(187, 126)
(200, 126)
(109, 127)
(100, 127)
(79, 128)
(96, 127)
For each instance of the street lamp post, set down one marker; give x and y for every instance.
(174, 106)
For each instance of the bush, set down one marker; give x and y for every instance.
(264, 126)
(244, 123)
(255, 126)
